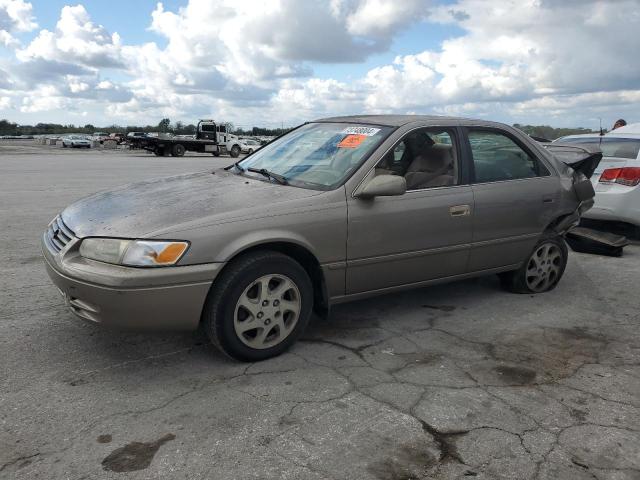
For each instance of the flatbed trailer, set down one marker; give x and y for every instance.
(176, 147)
(209, 138)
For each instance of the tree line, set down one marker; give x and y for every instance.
(550, 133)
(180, 128)
(164, 126)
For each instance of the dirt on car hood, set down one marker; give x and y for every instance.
(138, 210)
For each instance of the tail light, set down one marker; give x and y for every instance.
(628, 176)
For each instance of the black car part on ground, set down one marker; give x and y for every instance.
(588, 240)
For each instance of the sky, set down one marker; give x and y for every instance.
(565, 63)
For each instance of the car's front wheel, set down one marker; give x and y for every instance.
(259, 306)
(542, 270)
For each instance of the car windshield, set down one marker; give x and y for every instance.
(318, 155)
(610, 146)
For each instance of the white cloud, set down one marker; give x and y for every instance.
(76, 39)
(5, 103)
(383, 17)
(43, 99)
(253, 61)
(76, 85)
(15, 16)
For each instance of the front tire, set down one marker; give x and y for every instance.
(543, 268)
(259, 306)
(235, 151)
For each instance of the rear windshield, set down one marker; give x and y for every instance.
(611, 147)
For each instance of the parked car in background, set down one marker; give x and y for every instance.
(76, 141)
(617, 178)
(100, 136)
(136, 134)
(118, 137)
(335, 210)
(249, 145)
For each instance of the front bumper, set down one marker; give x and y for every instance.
(167, 298)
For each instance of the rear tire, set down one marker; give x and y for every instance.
(543, 268)
(266, 289)
(216, 154)
(235, 151)
(178, 150)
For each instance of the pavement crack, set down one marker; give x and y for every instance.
(19, 459)
(445, 442)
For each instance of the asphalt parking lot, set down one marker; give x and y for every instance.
(454, 381)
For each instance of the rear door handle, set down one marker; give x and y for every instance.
(460, 210)
(548, 199)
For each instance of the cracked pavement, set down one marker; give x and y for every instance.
(454, 381)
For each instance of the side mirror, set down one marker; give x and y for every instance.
(383, 186)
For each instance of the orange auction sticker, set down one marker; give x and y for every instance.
(352, 141)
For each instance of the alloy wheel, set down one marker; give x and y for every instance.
(544, 267)
(267, 311)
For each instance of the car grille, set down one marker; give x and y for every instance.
(58, 234)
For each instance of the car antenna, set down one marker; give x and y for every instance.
(601, 133)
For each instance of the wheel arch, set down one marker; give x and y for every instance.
(562, 222)
(298, 252)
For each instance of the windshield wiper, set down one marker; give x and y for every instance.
(276, 176)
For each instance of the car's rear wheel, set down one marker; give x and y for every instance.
(542, 270)
(259, 306)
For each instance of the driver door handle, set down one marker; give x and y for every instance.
(460, 210)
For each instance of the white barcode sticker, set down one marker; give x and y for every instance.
(367, 131)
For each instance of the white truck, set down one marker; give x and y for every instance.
(210, 137)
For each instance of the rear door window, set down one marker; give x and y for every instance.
(496, 157)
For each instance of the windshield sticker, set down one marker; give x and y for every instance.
(366, 131)
(352, 141)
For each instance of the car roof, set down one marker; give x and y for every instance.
(582, 135)
(629, 129)
(400, 120)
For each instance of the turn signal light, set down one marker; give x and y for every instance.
(628, 176)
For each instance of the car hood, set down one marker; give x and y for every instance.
(143, 209)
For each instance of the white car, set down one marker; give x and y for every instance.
(75, 141)
(617, 178)
(249, 146)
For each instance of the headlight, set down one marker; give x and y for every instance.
(135, 253)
